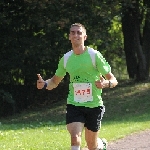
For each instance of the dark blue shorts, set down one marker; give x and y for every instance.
(91, 117)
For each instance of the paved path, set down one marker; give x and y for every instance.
(136, 141)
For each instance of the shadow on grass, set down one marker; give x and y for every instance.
(122, 103)
(53, 115)
(127, 100)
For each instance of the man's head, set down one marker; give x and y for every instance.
(77, 34)
(79, 25)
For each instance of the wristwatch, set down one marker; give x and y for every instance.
(110, 84)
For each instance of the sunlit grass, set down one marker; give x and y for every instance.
(127, 111)
(35, 138)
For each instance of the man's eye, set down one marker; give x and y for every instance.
(72, 33)
(79, 33)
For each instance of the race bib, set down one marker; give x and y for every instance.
(82, 92)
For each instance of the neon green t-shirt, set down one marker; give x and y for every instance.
(82, 88)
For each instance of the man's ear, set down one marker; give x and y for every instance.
(69, 36)
(85, 37)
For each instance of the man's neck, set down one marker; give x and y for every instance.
(79, 50)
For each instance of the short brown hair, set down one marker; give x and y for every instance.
(78, 25)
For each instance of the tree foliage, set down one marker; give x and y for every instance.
(34, 36)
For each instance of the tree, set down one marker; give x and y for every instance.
(134, 22)
(146, 35)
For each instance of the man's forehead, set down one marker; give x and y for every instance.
(76, 28)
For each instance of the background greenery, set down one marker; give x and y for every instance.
(34, 36)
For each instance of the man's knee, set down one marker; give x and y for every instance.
(75, 140)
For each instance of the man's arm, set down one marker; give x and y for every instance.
(48, 84)
(53, 82)
(110, 81)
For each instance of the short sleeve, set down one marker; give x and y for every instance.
(101, 64)
(61, 71)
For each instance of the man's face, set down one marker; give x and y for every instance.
(77, 36)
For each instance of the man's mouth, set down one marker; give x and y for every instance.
(76, 39)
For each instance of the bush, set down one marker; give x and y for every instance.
(7, 104)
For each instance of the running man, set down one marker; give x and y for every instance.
(84, 103)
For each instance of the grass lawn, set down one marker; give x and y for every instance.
(127, 111)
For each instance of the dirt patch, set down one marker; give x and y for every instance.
(136, 141)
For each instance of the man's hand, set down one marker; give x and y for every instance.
(102, 83)
(40, 82)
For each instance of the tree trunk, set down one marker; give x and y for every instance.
(127, 28)
(132, 42)
(141, 68)
(146, 38)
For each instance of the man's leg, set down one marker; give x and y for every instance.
(75, 130)
(91, 139)
(92, 127)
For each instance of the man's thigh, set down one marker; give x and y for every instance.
(74, 114)
(93, 118)
(74, 120)
(75, 128)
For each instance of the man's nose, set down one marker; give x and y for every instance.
(76, 34)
